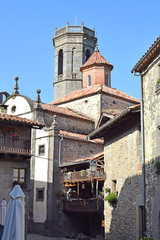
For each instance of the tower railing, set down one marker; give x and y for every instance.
(74, 29)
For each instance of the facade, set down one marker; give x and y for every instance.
(67, 168)
(15, 154)
(123, 169)
(148, 67)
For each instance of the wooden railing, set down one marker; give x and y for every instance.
(83, 175)
(12, 145)
(83, 205)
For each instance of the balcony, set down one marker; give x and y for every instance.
(83, 205)
(84, 175)
(10, 145)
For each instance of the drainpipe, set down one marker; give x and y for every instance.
(143, 157)
(60, 146)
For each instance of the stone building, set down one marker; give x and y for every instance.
(15, 154)
(148, 68)
(123, 169)
(73, 46)
(67, 170)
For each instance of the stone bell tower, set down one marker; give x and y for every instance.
(73, 46)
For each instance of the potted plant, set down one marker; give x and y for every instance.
(107, 190)
(15, 136)
(157, 166)
(112, 198)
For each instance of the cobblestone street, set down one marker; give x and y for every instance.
(41, 237)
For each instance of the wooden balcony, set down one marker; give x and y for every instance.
(83, 205)
(84, 175)
(10, 145)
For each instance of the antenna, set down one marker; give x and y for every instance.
(75, 21)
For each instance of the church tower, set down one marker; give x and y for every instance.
(73, 46)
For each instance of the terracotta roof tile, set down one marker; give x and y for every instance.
(93, 90)
(78, 136)
(88, 158)
(62, 111)
(96, 59)
(19, 120)
(148, 56)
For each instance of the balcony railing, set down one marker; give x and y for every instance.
(12, 145)
(83, 205)
(83, 175)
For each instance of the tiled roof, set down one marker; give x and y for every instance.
(96, 59)
(112, 112)
(128, 112)
(62, 111)
(148, 56)
(78, 136)
(18, 120)
(88, 158)
(93, 90)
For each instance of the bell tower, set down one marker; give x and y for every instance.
(73, 46)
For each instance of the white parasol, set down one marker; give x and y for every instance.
(3, 212)
(14, 224)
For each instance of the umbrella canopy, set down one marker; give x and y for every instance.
(3, 212)
(14, 224)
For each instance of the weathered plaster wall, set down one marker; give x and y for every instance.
(122, 157)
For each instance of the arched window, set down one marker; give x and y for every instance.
(73, 60)
(107, 80)
(89, 81)
(60, 62)
(88, 54)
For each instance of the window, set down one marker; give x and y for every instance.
(39, 194)
(73, 60)
(13, 109)
(19, 177)
(60, 62)
(41, 149)
(107, 82)
(88, 54)
(114, 183)
(89, 81)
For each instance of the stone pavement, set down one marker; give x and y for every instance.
(41, 237)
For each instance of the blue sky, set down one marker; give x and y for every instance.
(125, 30)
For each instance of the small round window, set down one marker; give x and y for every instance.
(13, 109)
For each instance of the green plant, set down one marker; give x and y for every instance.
(111, 198)
(157, 166)
(107, 190)
(158, 81)
(146, 238)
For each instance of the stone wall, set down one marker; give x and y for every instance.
(6, 175)
(122, 155)
(89, 106)
(73, 149)
(110, 102)
(69, 123)
(152, 146)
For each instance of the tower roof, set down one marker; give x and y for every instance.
(96, 59)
